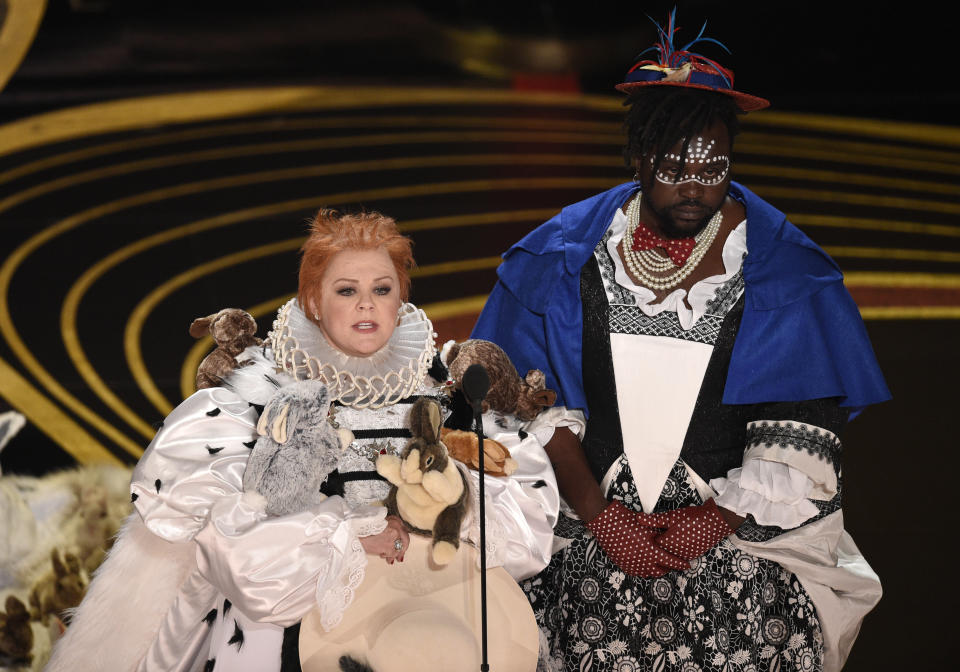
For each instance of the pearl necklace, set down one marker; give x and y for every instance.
(646, 263)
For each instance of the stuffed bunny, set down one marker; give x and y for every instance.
(297, 449)
(429, 492)
(16, 636)
(60, 589)
(233, 331)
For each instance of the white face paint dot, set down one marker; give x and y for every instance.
(700, 165)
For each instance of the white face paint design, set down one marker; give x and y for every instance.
(702, 165)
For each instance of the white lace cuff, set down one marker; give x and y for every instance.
(812, 450)
(773, 493)
(336, 593)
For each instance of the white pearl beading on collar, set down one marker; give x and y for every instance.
(646, 263)
(382, 379)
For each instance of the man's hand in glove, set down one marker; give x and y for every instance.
(627, 537)
(692, 530)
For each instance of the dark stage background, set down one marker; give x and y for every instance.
(470, 122)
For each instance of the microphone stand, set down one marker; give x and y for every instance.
(478, 425)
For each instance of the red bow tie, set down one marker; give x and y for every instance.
(678, 249)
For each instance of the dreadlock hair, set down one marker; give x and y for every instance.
(661, 116)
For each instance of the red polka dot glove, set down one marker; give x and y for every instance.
(692, 530)
(627, 539)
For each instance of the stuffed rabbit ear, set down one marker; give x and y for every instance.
(201, 326)
(59, 565)
(278, 428)
(264, 417)
(426, 419)
(435, 422)
(535, 379)
(345, 436)
(545, 398)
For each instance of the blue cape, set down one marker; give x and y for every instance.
(801, 336)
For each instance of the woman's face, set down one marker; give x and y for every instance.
(359, 300)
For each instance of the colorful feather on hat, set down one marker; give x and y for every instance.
(673, 58)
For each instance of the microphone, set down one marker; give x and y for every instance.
(476, 384)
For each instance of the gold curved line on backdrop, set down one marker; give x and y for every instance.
(20, 26)
(387, 139)
(68, 313)
(435, 311)
(455, 136)
(902, 280)
(844, 177)
(48, 418)
(911, 313)
(854, 252)
(772, 143)
(180, 108)
(128, 114)
(870, 224)
(118, 146)
(936, 136)
(893, 156)
(294, 146)
(847, 178)
(134, 327)
(862, 159)
(848, 198)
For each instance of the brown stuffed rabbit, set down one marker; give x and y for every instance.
(429, 492)
(522, 397)
(16, 637)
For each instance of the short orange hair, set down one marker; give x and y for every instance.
(332, 232)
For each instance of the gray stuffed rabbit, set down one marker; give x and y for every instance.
(297, 449)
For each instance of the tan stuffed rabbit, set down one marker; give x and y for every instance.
(429, 492)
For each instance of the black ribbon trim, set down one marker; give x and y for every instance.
(335, 480)
(389, 433)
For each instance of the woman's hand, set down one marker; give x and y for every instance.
(385, 544)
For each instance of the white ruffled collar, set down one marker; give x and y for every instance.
(734, 249)
(383, 378)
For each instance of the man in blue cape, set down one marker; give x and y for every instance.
(706, 356)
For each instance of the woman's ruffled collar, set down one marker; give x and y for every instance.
(390, 374)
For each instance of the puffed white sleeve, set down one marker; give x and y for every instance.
(787, 465)
(188, 487)
(521, 509)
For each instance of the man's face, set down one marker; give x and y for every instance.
(684, 196)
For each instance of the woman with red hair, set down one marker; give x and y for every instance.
(230, 590)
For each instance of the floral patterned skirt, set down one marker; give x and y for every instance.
(730, 612)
